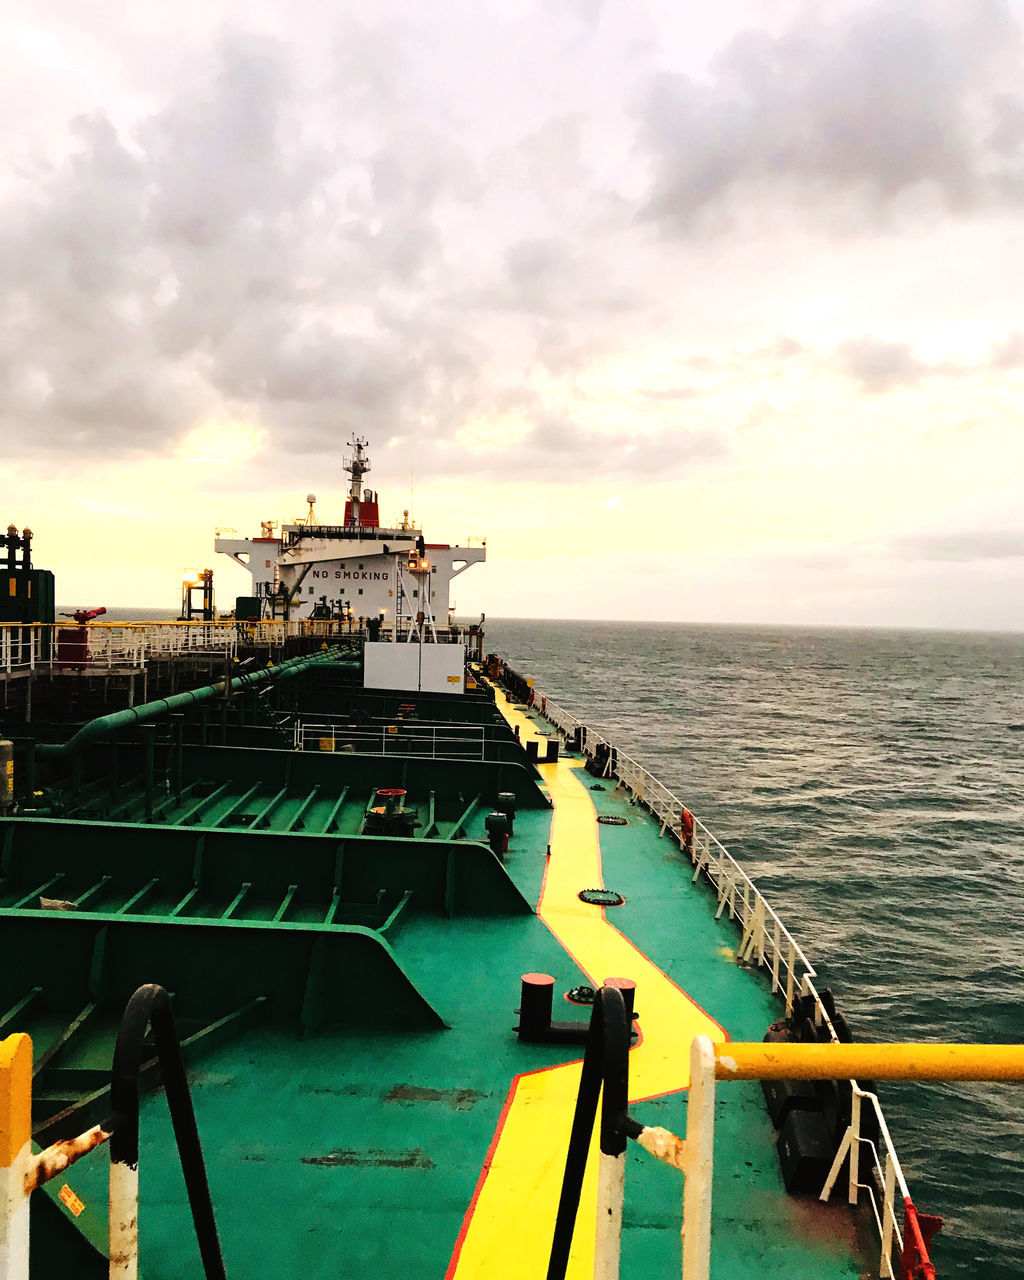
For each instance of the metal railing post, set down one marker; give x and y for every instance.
(854, 1180)
(790, 973)
(850, 1145)
(178, 755)
(888, 1216)
(15, 1153)
(148, 734)
(700, 1143)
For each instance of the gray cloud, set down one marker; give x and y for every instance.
(879, 365)
(1009, 353)
(963, 547)
(562, 448)
(885, 102)
(310, 259)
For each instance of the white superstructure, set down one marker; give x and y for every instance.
(357, 569)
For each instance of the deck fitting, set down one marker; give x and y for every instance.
(601, 897)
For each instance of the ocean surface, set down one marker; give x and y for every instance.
(871, 783)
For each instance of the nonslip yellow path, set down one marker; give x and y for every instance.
(507, 1232)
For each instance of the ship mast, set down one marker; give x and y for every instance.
(357, 466)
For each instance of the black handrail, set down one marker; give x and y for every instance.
(606, 1073)
(150, 1006)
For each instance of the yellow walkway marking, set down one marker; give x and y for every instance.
(507, 1231)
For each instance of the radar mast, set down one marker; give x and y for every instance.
(357, 466)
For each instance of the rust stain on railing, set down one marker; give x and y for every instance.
(47, 1164)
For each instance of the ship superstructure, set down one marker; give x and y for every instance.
(358, 568)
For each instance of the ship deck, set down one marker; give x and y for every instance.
(364, 1104)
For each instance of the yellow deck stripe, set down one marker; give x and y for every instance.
(509, 1232)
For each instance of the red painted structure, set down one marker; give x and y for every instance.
(369, 513)
(918, 1229)
(72, 647)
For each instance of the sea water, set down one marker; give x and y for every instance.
(871, 784)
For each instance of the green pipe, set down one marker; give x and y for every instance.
(117, 720)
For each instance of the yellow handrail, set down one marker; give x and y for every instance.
(869, 1061)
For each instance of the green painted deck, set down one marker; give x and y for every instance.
(352, 1013)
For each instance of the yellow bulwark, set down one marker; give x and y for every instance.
(522, 1177)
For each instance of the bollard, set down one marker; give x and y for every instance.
(628, 988)
(535, 1006)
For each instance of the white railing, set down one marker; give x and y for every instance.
(20, 648)
(405, 739)
(130, 645)
(766, 940)
(766, 943)
(887, 1176)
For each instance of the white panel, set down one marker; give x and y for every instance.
(442, 668)
(392, 666)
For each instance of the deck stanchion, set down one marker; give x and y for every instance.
(611, 1189)
(178, 720)
(888, 1216)
(700, 1143)
(15, 1151)
(854, 1179)
(124, 1219)
(850, 1144)
(148, 740)
(790, 972)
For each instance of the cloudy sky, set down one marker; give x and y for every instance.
(709, 313)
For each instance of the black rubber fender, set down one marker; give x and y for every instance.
(783, 1096)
